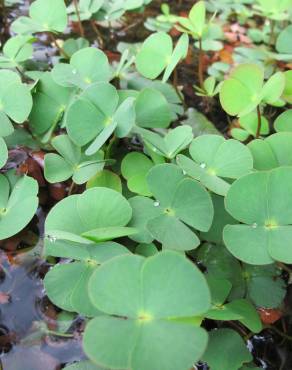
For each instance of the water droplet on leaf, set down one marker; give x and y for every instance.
(203, 165)
(156, 203)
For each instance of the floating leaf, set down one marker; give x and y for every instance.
(154, 307)
(96, 208)
(66, 284)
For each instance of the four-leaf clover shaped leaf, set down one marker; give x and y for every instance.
(154, 322)
(44, 16)
(71, 162)
(274, 151)
(171, 144)
(16, 50)
(181, 204)
(99, 214)
(214, 159)
(15, 101)
(157, 54)
(96, 114)
(87, 66)
(66, 284)
(262, 202)
(248, 79)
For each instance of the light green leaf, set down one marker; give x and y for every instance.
(23, 196)
(43, 17)
(229, 341)
(82, 71)
(152, 308)
(3, 153)
(261, 202)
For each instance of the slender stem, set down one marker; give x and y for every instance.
(284, 267)
(98, 34)
(3, 11)
(279, 332)
(175, 85)
(71, 188)
(272, 33)
(81, 29)
(259, 122)
(55, 43)
(55, 333)
(200, 67)
(111, 144)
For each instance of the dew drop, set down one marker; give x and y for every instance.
(203, 165)
(51, 238)
(184, 172)
(254, 225)
(156, 203)
(74, 71)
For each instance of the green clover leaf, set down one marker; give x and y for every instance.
(71, 162)
(249, 80)
(98, 214)
(82, 71)
(215, 159)
(261, 201)
(17, 205)
(144, 325)
(181, 204)
(44, 16)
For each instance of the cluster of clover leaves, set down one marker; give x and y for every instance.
(178, 199)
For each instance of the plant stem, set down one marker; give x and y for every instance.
(272, 33)
(55, 43)
(98, 34)
(81, 29)
(279, 332)
(284, 267)
(56, 334)
(175, 83)
(200, 67)
(259, 122)
(2, 4)
(71, 188)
